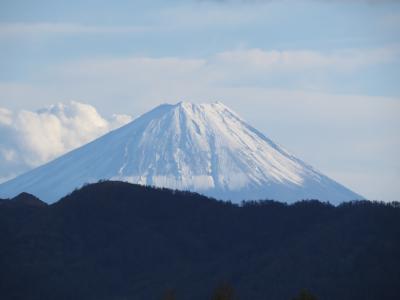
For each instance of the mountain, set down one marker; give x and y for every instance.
(115, 240)
(205, 148)
(27, 199)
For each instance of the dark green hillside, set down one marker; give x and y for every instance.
(115, 240)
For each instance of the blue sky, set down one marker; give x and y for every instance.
(319, 77)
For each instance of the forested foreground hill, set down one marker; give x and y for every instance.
(114, 240)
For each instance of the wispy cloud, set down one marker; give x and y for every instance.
(273, 60)
(16, 29)
(105, 78)
(224, 63)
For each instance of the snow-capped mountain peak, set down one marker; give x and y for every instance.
(205, 148)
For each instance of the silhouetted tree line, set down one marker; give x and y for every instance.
(114, 240)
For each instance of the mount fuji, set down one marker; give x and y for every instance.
(206, 148)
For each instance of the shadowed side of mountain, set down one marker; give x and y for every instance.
(114, 240)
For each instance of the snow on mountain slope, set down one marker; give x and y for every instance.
(205, 148)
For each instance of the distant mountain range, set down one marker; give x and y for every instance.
(206, 148)
(114, 240)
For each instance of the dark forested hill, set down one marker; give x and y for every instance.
(115, 240)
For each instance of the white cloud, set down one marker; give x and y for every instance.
(31, 138)
(5, 116)
(139, 83)
(169, 73)
(136, 83)
(290, 60)
(118, 120)
(16, 29)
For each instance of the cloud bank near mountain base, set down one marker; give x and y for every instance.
(31, 138)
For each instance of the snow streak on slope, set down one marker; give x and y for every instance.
(200, 147)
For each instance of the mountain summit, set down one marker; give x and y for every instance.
(205, 148)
